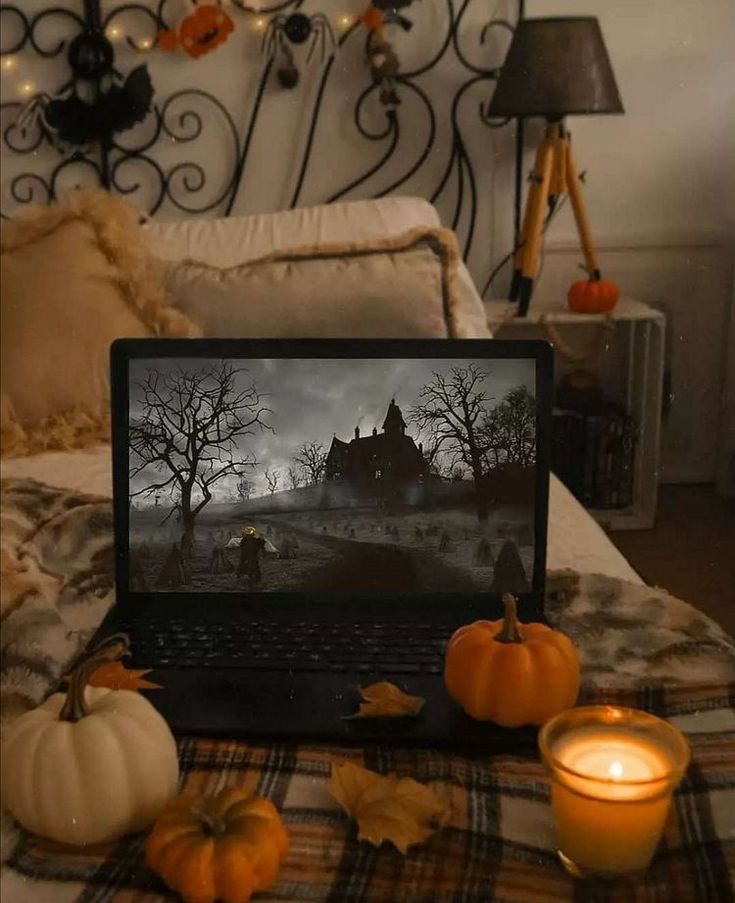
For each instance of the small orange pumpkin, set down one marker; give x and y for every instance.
(511, 673)
(592, 296)
(225, 847)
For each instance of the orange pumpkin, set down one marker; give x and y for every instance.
(199, 32)
(225, 847)
(592, 296)
(511, 673)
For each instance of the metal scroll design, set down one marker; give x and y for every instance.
(153, 162)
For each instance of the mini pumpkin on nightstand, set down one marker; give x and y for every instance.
(592, 296)
(511, 673)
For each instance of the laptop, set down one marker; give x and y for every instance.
(295, 519)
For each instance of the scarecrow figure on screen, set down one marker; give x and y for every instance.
(251, 545)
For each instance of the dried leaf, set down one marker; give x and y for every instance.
(399, 810)
(386, 700)
(115, 676)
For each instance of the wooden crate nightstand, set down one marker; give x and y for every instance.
(626, 349)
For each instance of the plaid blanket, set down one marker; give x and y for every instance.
(498, 843)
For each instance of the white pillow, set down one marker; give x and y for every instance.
(403, 287)
(234, 240)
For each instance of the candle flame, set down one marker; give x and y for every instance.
(615, 770)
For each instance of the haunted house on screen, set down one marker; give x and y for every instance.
(386, 468)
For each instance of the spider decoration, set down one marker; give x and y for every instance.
(296, 28)
(97, 102)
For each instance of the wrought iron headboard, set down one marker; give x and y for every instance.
(420, 121)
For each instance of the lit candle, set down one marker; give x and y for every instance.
(614, 771)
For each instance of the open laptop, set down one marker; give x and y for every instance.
(296, 518)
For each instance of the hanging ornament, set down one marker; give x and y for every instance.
(391, 15)
(199, 32)
(97, 103)
(295, 29)
(384, 67)
(373, 19)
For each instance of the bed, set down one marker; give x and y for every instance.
(638, 646)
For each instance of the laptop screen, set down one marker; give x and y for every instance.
(280, 475)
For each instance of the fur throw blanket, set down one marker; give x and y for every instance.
(57, 584)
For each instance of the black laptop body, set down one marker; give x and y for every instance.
(295, 519)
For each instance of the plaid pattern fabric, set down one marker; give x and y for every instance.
(498, 844)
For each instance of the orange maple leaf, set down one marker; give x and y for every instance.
(115, 676)
(386, 700)
(386, 807)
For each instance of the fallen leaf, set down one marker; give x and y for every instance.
(387, 807)
(386, 700)
(115, 676)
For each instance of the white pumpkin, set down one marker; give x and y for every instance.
(90, 765)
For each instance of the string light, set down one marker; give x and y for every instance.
(9, 63)
(344, 21)
(144, 44)
(26, 88)
(114, 33)
(260, 23)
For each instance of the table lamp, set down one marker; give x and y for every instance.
(555, 67)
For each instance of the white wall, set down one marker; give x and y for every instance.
(660, 191)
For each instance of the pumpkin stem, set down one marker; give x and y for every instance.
(509, 632)
(111, 649)
(211, 825)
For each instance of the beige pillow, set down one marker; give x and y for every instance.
(73, 277)
(399, 287)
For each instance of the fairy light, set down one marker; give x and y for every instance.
(9, 63)
(114, 33)
(26, 88)
(260, 23)
(344, 21)
(144, 44)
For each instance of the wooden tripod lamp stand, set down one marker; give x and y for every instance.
(555, 67)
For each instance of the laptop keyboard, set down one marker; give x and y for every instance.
(409, 648)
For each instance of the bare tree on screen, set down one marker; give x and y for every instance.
(191, 433)
(450, 410)
(312, 459)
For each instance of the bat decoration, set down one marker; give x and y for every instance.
(97, 103)
(200, 32)
(296, 28)
(74, 120)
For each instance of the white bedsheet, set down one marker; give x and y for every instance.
(575, 539)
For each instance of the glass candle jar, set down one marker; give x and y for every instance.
(613, 772)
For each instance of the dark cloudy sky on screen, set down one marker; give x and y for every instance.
(317, 399)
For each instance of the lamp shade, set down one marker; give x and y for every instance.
(556, 67)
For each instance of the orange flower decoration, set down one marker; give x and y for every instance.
(201, 31)
(372, 19)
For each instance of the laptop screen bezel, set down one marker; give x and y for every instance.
(352, 605)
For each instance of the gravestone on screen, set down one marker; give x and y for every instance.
(331, 475)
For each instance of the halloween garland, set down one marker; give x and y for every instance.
(206, 26)
(98, 102)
